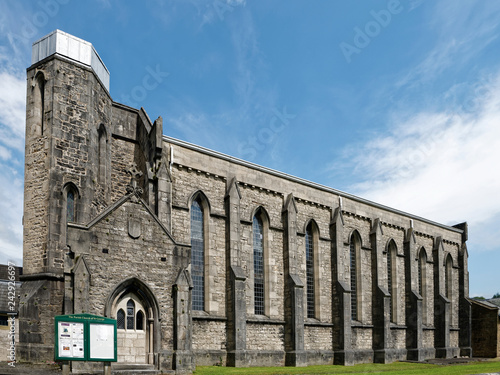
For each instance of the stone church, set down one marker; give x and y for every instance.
(203, 258)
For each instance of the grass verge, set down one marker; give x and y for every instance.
(404, 368)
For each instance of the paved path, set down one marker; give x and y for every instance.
(25, 369)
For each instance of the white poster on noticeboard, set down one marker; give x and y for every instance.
(102, 341)
(70, 340)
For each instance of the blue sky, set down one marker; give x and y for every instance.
(394, 101)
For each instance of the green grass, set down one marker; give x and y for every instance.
(404, 368)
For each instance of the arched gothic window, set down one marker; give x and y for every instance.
(102, 154)
(142, 331)
(130, 314)
(133, 319)
(391, 279)
(120, 319)
(422, 284)
(197, 255)
(311, 308)
(139, 321)
(448, 283)
(448, 277)
(258, 265)
(39, 102)
(355, 245)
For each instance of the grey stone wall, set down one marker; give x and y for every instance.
(398, 339)
(265, 337)
(317, 338)
(259, 189)
(209, 335)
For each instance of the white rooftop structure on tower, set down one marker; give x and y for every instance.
(70, 46)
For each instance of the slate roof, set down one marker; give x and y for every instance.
(495, 301)
(484, 303)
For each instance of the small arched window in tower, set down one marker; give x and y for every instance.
(310, 271)
(258, 265)
(120, 319)
(39, 102)
(353, 250)
(130, 314)
(139, 321)
(197, 255)
(70, 206)
(102, 154)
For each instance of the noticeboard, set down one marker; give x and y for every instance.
(85, 337)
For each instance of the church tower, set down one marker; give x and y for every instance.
(67, 173)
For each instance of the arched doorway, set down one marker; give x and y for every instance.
(131, 330)
(135, 309)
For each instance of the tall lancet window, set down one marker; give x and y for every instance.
(422, 285)
(391, 279)
(101, 151)
(197, 256)
(258, 265)
(39, 102)
(120, 319)
(448, 277)
(310, 271)
(353, 254)
(130, 314)
(448, 284)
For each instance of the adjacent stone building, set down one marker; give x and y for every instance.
(485, 337)
(204, 258)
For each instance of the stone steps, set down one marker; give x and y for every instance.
(135, 369)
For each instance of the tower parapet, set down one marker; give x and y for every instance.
(64, 44)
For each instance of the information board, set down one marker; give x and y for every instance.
(85, 337)
(102, 341)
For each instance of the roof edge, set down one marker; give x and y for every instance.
(302, 181)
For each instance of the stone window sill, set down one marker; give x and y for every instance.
(263, 320)
(316, 323)
(397, 326)
(203, 315)
(356, 324)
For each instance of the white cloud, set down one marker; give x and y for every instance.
(439, 165)
(12, 110)
(11, 207)
(12, 128)
(195, 126)
(4, 153)
(240, 118)
(212, 11)
(462, 31)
